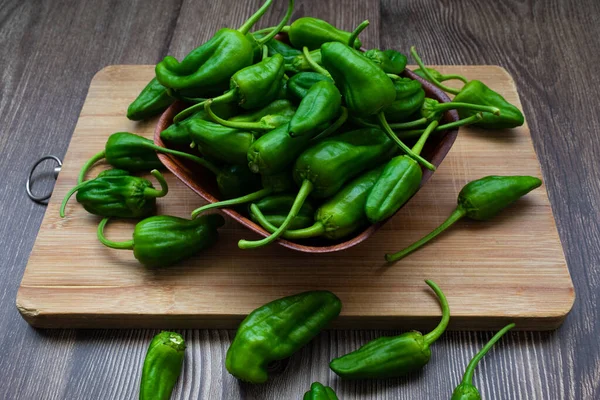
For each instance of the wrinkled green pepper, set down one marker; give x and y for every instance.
(229, 145)
(321, 104)
(390, 61)
(393, 356)
(480, 200)
(116, 194)
(318, 391)
(466, 390)
(299, 84)
(236, 180)
(277, 330)
(313, 32)
(162, 366)
(275, 209)
(152, 101)
(163, 240)
(409, 99)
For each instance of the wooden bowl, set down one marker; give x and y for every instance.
(203, 182)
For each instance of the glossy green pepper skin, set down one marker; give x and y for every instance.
(314, 32)
(152, 101)
(299, 84)
(277, 330)
(333, 161)
(258, 85)
(276, 207)
(466, 390)
(115, 194)
(236, 180)
(321, 104)
(390, 61)
(394, 356)
(301, 64)
(163, 240)
(162, 366)
(229, 145)
(367, 90)
(409, 99)
(480, 200)
(318, 391)
(278, 47)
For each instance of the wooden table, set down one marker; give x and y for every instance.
(49, 52)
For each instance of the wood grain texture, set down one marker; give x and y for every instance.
(72, 280)
(50, 50)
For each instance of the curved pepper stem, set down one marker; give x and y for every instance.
(198, 160)
(409, 124)
(430, 77)
(250, 22)
(88, 164)
(466, 106)
(456, 215)
(235, 124)
(392, 135)
(164, 188)
(394, 77)
(312, 231)
(227, 97)
(421, 142)
(305, 190)
(280, 27)
(234, 202)
(462, 122)
(314, 65)
(333, 127)
(352, 40)
(68, 196)
(468, 376)
(265, 52)
(126, 245)
(437, 332)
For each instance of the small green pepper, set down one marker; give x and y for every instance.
(277, 330)
(395, 356)
(301, 63)
(480, 200)
(390, 61)
(466, 390)
(409, 99)
(115, 194)
(438, 75)
(135, 153)
(236, 180)
(229, 145)
(275, 209)
(299, 84)
(163, 240)
(318, 391)
(162, 366)
(313, 32)
(320, 105)
(152, 101)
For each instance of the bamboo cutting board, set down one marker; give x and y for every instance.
(509, 269)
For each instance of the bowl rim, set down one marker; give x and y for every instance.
(183, 173)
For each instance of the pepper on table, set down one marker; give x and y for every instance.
(318, 391)
(313, 32)
(162, 366)
(390, 61)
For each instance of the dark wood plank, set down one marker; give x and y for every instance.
(50, 51)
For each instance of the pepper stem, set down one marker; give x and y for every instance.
(314, 65)
(315, 230)
(409, 124)
(205, 163)
(430, 77)
(164, 188)
(96, 157)
(245, 28)
(468, 377)
(280, 27)
(265, 52)
(466, 106)
(390, 133)
(227, 97)
(394, 77)
(352, 41)
(419, 145)
(68, 196)
(235, 124)
(457, 214)
(450, 77)
(437, 332)
(126, 245)
(305, 190)
(233, 202)
(333, 127)
(461, 122)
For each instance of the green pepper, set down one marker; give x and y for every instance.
(399, 181)
(152, 101)
(466, 390)
(135, 153)
(163, 240)
(229, 145)
(409, 99)
(236, 180)
(116, 194)
(394, 356)
(301, 63)
(208, 69)
(277, 330)
(318, 391)
(476, 92)
(276, 207)
(322, 169)
(480, 200)
(314, 32)
(339, 216)
(162, 366)
(438, 75)
(320, 105)
(390, 61)
(299, 84)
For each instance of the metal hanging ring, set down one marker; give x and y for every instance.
(39, 199)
